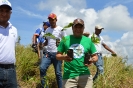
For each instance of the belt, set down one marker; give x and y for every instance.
(7, 66)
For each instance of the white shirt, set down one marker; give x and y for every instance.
(99, 45)
(51, 47)
(8, 38)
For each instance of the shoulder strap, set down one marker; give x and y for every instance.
(40, 31)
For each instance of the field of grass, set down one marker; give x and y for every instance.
(117, 73)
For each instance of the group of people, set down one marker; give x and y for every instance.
(51, 50)
(76, 73)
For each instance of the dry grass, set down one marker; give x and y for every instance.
(117, 73)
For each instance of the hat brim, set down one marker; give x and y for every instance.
(78, 24)
(100, 28)
(7, 6)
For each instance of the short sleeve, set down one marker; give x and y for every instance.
(92, 48)
(61, 47)
(38, 31)
(102, 40)
(63, 34)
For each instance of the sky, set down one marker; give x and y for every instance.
(116, 16)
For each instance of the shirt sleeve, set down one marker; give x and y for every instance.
(61, 47)
(63, 34)
(102, 40)
(38, 31)
(16, 35)
(92, 48)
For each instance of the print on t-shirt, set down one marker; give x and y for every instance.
(78, 50)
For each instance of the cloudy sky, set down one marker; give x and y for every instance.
(116, 16)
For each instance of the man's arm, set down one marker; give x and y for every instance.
(35, 38)
(60, 56)
(107, 48)
(94, 58)
(38, 49)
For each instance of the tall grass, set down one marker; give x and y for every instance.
(117, 73)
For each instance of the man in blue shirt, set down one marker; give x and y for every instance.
(38, 39)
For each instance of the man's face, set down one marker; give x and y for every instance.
(5, 13)
(98, 31)
(78, 30)
(45, 26)
(52, 22)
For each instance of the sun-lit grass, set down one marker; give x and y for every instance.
(117, 73)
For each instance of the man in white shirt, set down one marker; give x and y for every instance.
(50, 56)
(8, 38)
(99, 42)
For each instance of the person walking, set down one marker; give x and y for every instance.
(8, 39)
(38, 39)
(76, 72)
(99, 42)
(50, 56)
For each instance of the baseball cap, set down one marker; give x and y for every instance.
(5, 2)
(78, 21)
(52, 15)
(99, 27)
(46, 23)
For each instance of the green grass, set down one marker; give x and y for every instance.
(117, 73)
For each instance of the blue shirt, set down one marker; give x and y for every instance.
(40, 32)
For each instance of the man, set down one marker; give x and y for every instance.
(39, 40)
(8, 38)
(98, 44)
(86, 34)
(76, 73)
(50, 56)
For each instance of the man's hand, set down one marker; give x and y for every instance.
(90, 62)
(114, 54)
(67, 58)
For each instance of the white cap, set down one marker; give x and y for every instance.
(5, 2)
(99, 27)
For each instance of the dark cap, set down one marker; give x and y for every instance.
(78, 21)
(46, 23)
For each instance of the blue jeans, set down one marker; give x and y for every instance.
(46, 62)
(99, 66)
(8, 78)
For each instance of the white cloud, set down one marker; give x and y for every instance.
(117, 2)
(50, 4)
(29, 13)
(124, 46)
(115, 18)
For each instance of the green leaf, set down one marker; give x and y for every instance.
(67, 26)
(49, 35)
(114, 55)
(95, 39)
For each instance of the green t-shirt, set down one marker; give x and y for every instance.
(80, 46)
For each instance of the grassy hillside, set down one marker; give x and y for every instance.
(117, 73)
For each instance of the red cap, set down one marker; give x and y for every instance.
(52, 15)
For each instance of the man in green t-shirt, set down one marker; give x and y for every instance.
(76, 73)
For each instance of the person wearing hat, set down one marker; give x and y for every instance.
(86, 34)
(8, 39)
(50, 56)
(38, 39)
(76, 73)
(98, 45)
